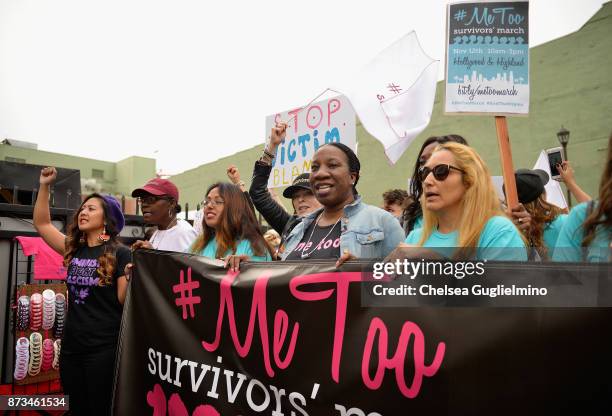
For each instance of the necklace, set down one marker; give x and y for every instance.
(160, 240)
(307, 255)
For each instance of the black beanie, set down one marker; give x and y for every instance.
(353, 161)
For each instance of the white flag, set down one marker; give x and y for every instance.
(554, 193)
(393, 95)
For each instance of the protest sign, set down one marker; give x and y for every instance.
(487, 68)
(301, 338)
(487, 57)
(326, 121)
(394, 94)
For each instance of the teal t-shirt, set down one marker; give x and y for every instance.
(552, 230)
(418, 223)
(499, 240)
(568, 247)
(243, 247)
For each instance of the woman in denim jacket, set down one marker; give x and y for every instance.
(344, 228)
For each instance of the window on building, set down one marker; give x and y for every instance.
(14, 159)
(97, 173)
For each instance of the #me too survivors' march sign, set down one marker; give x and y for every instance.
(326, 121)
(487, 60)
(296, 338)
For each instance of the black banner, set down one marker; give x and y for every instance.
(296, 338)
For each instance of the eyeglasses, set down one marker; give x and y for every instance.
(212, 203)
(151, 199)
(440, 172)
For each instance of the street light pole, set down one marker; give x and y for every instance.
(563, 136)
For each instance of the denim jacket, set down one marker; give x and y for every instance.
(366, 231)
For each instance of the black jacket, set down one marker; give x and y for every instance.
(275, 215)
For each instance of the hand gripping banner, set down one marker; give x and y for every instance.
(296, 338)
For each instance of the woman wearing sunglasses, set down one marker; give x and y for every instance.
(159, 203)
(412, 216)
(461, 211)
(230, 229)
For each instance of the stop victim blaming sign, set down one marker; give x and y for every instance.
(309, 128)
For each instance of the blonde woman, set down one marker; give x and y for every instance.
(462, 216)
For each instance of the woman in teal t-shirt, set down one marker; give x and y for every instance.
(587, 232)
(546, 218)
(230, 230)
(569, 247)
(462, 217)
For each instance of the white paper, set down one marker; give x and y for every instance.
(393, 95)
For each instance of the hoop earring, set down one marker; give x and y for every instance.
(104, 237)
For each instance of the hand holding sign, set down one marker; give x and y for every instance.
(295, 135)
(521, 218)
(277, 136)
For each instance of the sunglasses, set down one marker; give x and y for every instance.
(151, 199)
(440, 172)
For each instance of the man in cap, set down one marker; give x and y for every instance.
(159, 204)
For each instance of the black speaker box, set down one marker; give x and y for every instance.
(19, 185)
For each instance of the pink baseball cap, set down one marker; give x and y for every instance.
(158, 187)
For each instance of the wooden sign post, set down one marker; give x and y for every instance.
(505, 153)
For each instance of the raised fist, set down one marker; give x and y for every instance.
(48, 175)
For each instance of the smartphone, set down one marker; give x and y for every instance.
(555, 157)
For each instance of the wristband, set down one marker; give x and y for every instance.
(57, 347)
(23, 313)
(264, 159)
(60, 314)
(36, 305)
(48, 319)
(22, 357)
(35, 354)
(48, 353)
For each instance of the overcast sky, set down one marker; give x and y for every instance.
(189, 81)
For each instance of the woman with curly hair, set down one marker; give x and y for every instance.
(95, 260)
(546, 219)
(587, 232)
(230, 229)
